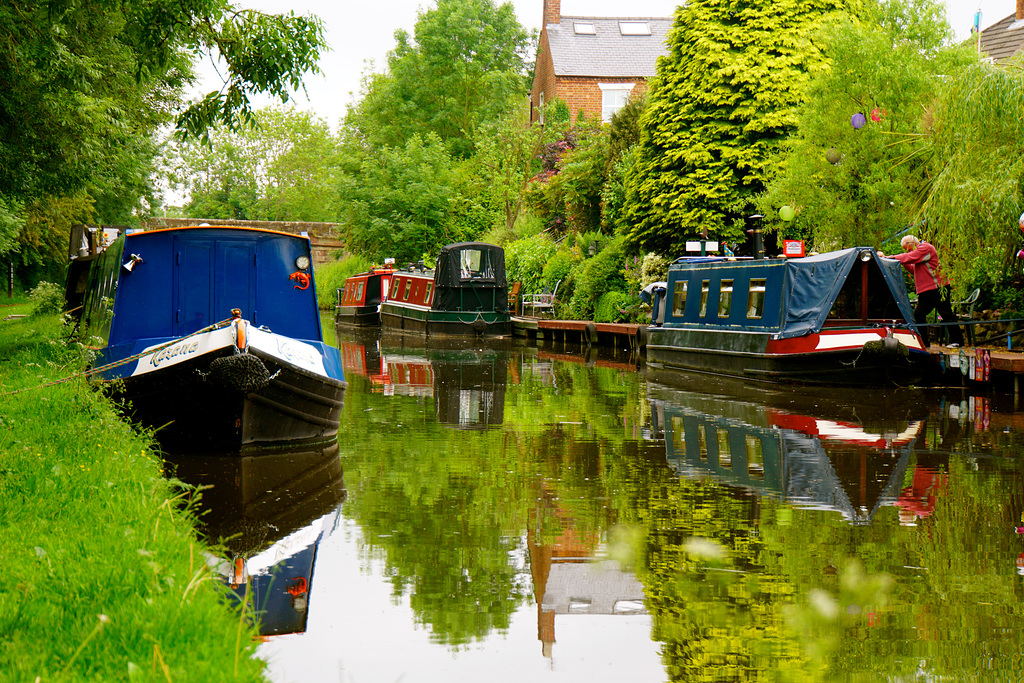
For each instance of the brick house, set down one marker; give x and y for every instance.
(593, 64)
(1005, 38)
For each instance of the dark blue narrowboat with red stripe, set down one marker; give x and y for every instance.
(360, 299)
(211, 335)
(843, 317)
(465, 294)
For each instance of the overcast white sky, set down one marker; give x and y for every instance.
(363, 32)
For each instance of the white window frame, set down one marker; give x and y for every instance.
(612, 98)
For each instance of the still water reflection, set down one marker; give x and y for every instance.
(519, 513)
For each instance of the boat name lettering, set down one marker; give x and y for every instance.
(172, 351)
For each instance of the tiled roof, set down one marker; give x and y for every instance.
(606, 53)
(1003, 39)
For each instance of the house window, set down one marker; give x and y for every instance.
(584, 28)
(613, 98)
(540, 107)
(634, 28)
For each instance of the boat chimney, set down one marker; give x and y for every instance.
(756, 238)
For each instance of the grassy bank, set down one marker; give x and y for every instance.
(102, 577)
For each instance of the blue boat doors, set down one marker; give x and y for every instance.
(212, 277)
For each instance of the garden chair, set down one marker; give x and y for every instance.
(544, 301)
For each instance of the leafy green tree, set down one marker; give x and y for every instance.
(464, 65)
(975, 189)
(400, 202)
(88, 83)
(505, 161)
(281, 167)
(860, 184)
(721, 106)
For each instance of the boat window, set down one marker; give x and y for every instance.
(755, 299)
(426, 297)
(679, 435)
(359, 291)
(725, 299)
(679, 299)
(704, 286)
(724, 453)
(408, 288)
(475, 263)
(755, 457)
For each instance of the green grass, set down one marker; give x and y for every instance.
(102, 576)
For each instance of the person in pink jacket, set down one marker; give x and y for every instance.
(933, 290)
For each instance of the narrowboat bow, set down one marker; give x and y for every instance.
(360, 299)
(214, 335)
(837, 318)
(466, 294)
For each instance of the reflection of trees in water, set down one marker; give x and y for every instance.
(804, 595)
(801, 594)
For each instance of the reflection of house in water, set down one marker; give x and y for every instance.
(810, 462)
(468, 386)
(269, 512)
(568, 579)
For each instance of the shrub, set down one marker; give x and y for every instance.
(595, 276)
(525, 260)
(46, 298)
(611, 307)
(331, 276)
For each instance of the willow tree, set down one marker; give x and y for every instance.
(976, 189)
(719, 109)
(856, 168)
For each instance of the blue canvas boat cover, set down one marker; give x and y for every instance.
(811, 285)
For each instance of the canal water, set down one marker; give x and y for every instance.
(509, 512)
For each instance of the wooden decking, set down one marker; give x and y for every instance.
(584, 332)
(1005, 367)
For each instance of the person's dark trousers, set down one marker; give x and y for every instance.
(933, 300)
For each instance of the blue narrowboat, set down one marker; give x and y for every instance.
(210, 335)
(842, 317)
(465, 294)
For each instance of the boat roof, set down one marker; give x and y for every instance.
(810, 284)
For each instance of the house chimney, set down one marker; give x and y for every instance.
(1020, 10)
(553, 11)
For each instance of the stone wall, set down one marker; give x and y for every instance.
(326, 238)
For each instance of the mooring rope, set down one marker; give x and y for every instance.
(123, 361)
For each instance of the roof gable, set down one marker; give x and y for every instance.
(606, 52)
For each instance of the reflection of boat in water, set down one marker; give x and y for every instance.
(851, 465)
(466, 294)
(213, 334)
(467, 385)
(837, 318)
(269, 513)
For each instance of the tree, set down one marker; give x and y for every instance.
(719, 109)
(975, 188)
(856, 182)
(400, 201)
(465, 65)
(281, 167)
(87, 83)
